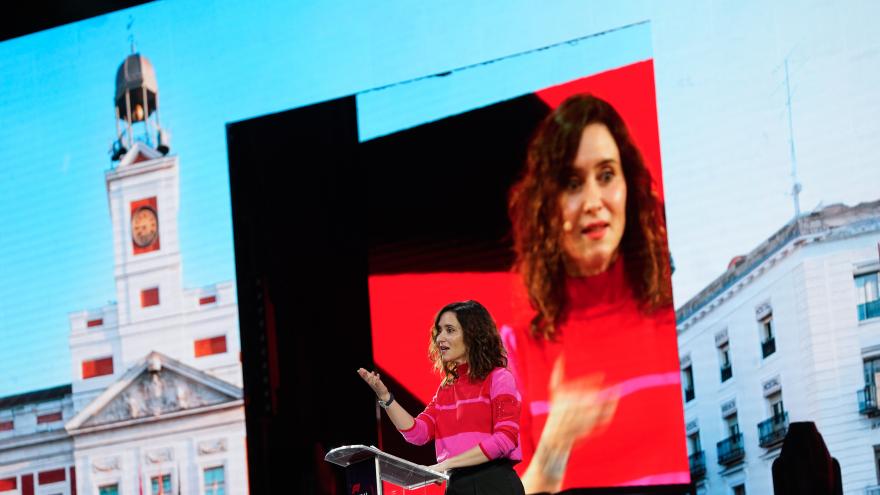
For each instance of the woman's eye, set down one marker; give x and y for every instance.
(606, 176)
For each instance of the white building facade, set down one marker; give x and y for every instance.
(791, 332)
(155, 403)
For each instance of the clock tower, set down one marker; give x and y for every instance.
(156, 388)
(143, 193)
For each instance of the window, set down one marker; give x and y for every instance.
(868, 394)
(775, 402)
(150, 297)
(724, 360)
(768, 341)
(739, 490)
(209, 346)
(868, 295)
(877, 461)
(215, 481)
(49, 417)
(687, 381)
(54, 476)
(207, 300)
(7, 484)
(161, 485)
(7, 425)
(732, 423)
(108, 489)
(693, 443)
(772, 430)
(872, 368)
(97, 367)
(97, 322)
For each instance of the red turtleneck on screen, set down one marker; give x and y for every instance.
(634, 355)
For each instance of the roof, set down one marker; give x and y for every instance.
(832, 222)
(36, 396)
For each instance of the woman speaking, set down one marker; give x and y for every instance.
(474, 416)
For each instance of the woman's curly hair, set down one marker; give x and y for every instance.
(537, 219)
(485, 351)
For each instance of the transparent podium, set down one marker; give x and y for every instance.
(366, 467)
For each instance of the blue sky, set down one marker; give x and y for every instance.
(721, 102)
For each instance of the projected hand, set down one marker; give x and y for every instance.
(375, 383)
(578, 408)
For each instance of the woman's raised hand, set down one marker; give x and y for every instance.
(578, 408)
(375, 383)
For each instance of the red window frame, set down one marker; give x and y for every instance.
(210, 346)
(97, 367)
(150, 297)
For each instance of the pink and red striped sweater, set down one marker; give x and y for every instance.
(472, 412)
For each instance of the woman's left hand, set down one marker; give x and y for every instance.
(440, 467)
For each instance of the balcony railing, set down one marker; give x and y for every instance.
(868, 401)
(731, 450)
(773, 430)
(726, 372)
(870, 309)
(697, 463)
(768, 347)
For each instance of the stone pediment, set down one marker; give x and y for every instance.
(140, 152)
(158, 386)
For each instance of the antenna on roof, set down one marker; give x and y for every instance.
(796, 186)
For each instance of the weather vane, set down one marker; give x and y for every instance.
(130, 33)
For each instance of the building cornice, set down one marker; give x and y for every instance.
(832, 223)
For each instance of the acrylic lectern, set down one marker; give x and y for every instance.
(366, 467)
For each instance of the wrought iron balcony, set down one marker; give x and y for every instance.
(697, 462)
(726, 372)
(731, 450)
(868, 401)
(773, 430)
(870, 309)
(768, 347)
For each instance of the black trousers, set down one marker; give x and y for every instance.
(490, 478)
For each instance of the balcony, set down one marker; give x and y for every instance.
(768, 347)
(868, 401)
(697, 463)
(689, 394)
(869, 309)
(731, 450)
(872, 490)
(773, 430)
(726, 372)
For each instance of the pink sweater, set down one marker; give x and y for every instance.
(472, 412)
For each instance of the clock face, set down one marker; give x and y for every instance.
(144, 226)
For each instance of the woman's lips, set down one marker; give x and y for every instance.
(595, 231)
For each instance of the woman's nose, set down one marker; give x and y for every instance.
(592, 198)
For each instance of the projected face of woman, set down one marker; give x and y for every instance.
(593, 204)
(450, 339)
